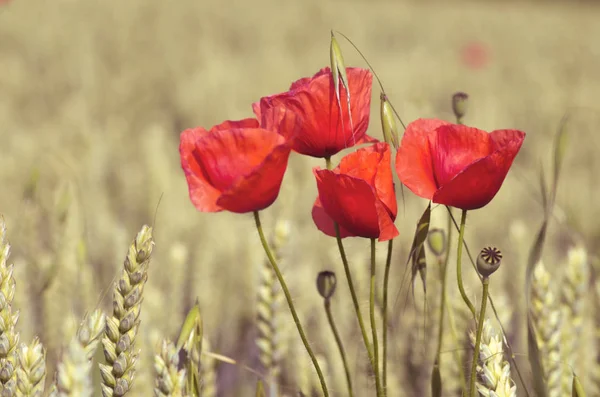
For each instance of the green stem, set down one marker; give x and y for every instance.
(511, 353)
(461, 288)
(373, 323)
(338, 340)
(486, 283)
(386, 279)
(359, 316)
(445, 306)
(288, 297)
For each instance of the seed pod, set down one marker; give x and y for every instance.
(388, 122)
(436, 240)
(488, 261)
(459, 105)
(326, 282)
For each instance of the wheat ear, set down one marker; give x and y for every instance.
(547, 319)
(121, 329)
(170, 380)
(9, 338)
(73, 373)
(493, 371)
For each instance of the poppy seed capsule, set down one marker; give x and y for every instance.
(436, 240)
(460, 101)
(488, 261)
(326, 282)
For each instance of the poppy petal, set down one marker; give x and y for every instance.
(454, 147)
(323, 132)
(229, 124)
(324, 222)
(202, 194)
(260, 188)
(373, 164)
(414, 163)
(351, 202)
(387, 229)
(477, 184)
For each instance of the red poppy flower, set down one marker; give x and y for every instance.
(323, 132)
(358, 195)
(455, 165)
(235, 166)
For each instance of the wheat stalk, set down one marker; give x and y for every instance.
(9, 338)
(493, 371)
(547, 319)
(73, 372)
(121, 329)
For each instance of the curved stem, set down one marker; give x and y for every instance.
(484, 297)
(290, 303)
(373, 323)
(461, 288)
(386, 279)
(359, 316)
(338, 340)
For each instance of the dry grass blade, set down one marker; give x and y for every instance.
(122, 328)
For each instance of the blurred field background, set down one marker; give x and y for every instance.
(93, 95)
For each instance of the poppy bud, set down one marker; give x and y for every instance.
(436, 240)
(326, 282)
(388, 122)
(459, 105)
(488, 261)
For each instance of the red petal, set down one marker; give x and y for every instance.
(373, 164)
(229, 124)
(260, 188)
(239, 170)
(314, 101)
(477, 185)
(324, 222)
(414, 160)
(454, 147)
(351, 203)
(202, 194)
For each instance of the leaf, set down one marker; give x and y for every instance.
(260, 389)
(417, 250)
(577, 389)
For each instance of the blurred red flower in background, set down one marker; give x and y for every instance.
(313, 100)
(475, 55)
(234, 166)
(358, 195)
(453, 164)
